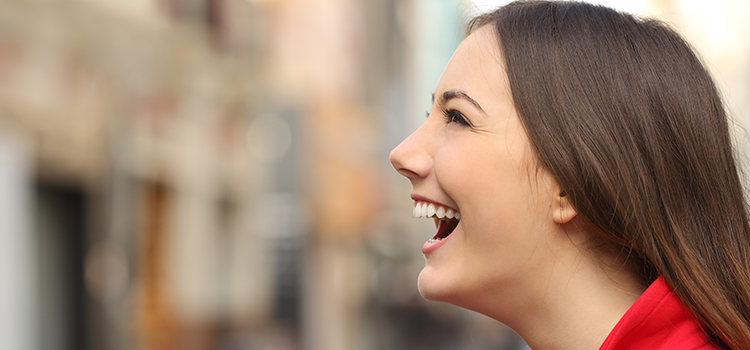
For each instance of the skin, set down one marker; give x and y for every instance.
(519, 252)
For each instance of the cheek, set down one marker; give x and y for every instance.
(482, 175)
(492, 185)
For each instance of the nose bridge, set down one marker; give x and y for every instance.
(413, 157)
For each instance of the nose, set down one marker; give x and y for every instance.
(413, 157)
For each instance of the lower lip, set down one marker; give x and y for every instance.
(429, 247)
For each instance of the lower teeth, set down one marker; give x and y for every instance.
(434, 240)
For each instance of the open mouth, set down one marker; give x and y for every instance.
(446, 219)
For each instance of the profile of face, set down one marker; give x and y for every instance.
(473, 157)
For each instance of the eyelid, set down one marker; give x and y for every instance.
(450, 114)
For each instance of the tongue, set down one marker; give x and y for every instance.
(445, 228)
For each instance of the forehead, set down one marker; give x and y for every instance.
(476, 67)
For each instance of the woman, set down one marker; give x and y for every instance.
(578, 163)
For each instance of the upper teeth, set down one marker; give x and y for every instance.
(426, 210)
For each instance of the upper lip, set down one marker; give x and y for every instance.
(417, 197)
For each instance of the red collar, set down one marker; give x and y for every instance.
(657, 320)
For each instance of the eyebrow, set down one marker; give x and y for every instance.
(451, 94)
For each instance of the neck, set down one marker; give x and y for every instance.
(578, 313)
(572, 303)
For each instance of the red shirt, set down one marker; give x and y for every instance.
(658, 321)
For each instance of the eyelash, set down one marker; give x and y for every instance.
(454, 116)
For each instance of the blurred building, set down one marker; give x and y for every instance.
(132, 118)
(213, 174)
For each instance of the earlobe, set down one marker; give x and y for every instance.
(564, 211)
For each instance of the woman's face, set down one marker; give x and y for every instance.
(472, 156)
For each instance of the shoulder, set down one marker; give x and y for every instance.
(658, 321)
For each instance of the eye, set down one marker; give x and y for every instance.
(454, 116)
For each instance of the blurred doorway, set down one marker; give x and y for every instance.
(60, 219)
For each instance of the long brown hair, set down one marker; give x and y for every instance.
(630, 123)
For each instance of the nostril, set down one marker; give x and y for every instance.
(411, 165)
(411, 158)
(407, 173)
(400, 159)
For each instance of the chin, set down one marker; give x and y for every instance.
(433, 288)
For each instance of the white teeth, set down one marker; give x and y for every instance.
(431, 210)
(418, 210)
(441, 212)
(425, 210)
(434, 240)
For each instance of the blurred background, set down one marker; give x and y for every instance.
(213, 174)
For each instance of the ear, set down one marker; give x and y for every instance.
(563, 210)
